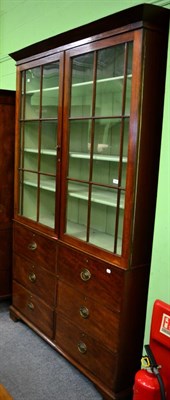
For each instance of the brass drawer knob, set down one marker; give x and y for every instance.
(85, 274)
(82, 348)
(32, 277)
(30, 306)
(84, 312)
(32, 246)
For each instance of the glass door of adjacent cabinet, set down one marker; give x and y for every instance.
(97, 131)
(38, 143)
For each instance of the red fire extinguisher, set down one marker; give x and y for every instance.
(149, 384)
(153, 383)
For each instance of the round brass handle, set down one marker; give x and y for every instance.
(82, 348)
(32, 277)
(32, 246)
(84, 312)
(30, 306)
(85, 274)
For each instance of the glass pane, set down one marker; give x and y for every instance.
(110, 80)
(48, 163)
(22, 94)
(120, 223)
(47, 183)
(28, 195)
(31, 136)
(30, 178)
(78, 150)
(103, 217)
(107, 154)
(48, 147)
(81, 88)
(29, 158)
(30, 161)
(48, 135)
(29, 202)
(50, 89)
(21, 146)
(77, 208)
(47, 201)
(129, 79)
(128, 95)
(33, 77)
(109, 85)
(32, 101)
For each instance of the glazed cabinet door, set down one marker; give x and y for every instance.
(97, 133)
(39, 141)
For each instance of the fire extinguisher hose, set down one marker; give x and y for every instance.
(155, 370)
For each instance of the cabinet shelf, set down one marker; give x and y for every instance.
(98, 195)
(100, 157)
(34, 91)
(105, 83)
(43, 151)
(45, 185)
(101, 239)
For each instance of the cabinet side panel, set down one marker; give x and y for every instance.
(149, 145)
(7, 117)
(132, 323)
(7, 128)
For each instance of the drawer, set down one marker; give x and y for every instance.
(36, 311)
(100, 281)
(34, 278)
(40, 249)
(86, 351)
(94, 319)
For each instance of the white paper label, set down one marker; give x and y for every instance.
(165, 325)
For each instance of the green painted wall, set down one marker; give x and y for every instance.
(23, 22)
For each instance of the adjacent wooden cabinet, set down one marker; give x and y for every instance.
(88, 134)
(7, 135)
